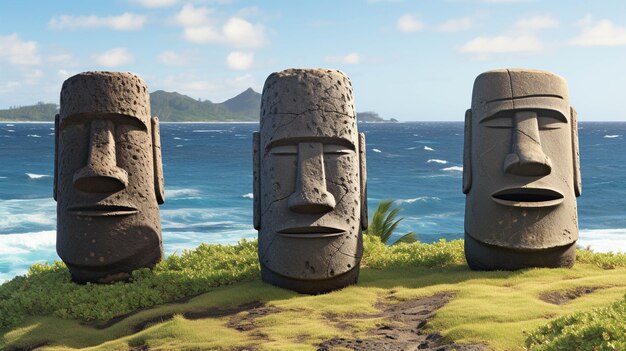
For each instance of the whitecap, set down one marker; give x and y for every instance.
(13, 244)
(443, 162)
(210, 130)
(376, 150)
(176, 138)
(179, 146)
(248, 196)
(420, 198)
(3, 177)
(453, 169)
(603, 240)
(428, 148)
(180, 193)
(611, 136)
(34, 136)
(10, 131)
(10, 125)
(411, 148)
(35, 176)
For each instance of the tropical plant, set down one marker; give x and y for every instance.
(384, 223)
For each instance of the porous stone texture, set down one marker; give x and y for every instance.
(108, 177)
(309, 181)
(521, 172)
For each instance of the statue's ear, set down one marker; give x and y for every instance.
(158, 163)
(467, 153)
(56, 156)
(256, 179)
(578, 187)
(363, 179)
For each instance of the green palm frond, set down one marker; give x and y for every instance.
(384, 223)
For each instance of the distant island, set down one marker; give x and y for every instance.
(175, 107)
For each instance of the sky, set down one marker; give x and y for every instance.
(413, 60)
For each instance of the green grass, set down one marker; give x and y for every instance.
(500, 309)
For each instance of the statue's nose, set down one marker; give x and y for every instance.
(101, 174)
(527, 157)
(310, 194)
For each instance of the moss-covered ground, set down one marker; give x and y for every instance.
(212, 299)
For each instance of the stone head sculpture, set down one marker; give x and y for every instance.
(108, 177)
(309, 181)
(521, 172)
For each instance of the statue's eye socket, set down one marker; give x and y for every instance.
(550, 122)
(284, 150)
(502, 122)
(337, 149)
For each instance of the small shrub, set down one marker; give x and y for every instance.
(439, 254)
(598, 330)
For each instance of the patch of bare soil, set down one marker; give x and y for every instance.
(565, 296)
(407, 320)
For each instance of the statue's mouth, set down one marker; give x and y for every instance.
(527, 197)
(102, 210)
(311, 232)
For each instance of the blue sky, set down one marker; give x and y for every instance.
(411, 60)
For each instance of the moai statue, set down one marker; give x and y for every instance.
(521, 172)
(309, 182)
(108, 177)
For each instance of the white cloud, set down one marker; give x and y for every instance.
(63, 74)
(18, 52)
(502, 44)
(408, 23)
(32, 76)
(536, 23)
(125, 21)
(172, 58)
(236, 32)
(600, 33)
(455, 25)
(156, 3)
(190, 16)
(237, 60)
(114, 57)
(349, 59)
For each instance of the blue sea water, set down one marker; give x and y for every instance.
(208, 182)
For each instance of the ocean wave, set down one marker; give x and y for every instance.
(610, 136)
(176, 138)
(34, 136)
(181, 193)
(179, 146)
(453, 169)
(248, 196)
(14, 244)
(603, 240)
(428, 148)
(3, 177)
(376, 150)
(443, 162)
(10, 125)
(35, 176)
(210, 130)
(420, 198)
(411, 148)
(10, 130)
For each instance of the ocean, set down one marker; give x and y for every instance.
(208, 185)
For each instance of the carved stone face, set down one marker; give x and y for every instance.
(108, 177)
(309, 166)
(521, 168)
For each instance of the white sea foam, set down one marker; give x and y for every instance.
(36, 176)
(411, 148)
(34, 136)
(443, 162)
(612, 136)
(420, 198)
(176, 138)
(181, 193)
(210, 130)
(10, 130)
(3, 177)
(248, 196)
(10, 125)
(15, 244)
(428, 148)
(603, 240)
(376, 150)
(453, 169)
(179, 146)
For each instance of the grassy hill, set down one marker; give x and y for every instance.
(175, 107)
(408, 295)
